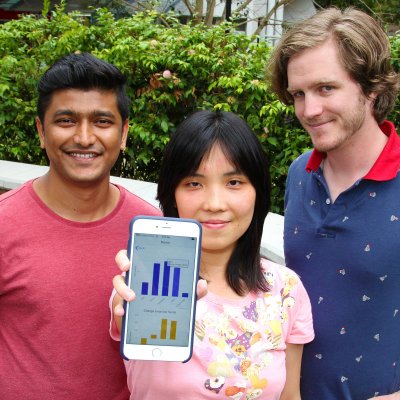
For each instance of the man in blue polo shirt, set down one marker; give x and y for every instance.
(342, 217)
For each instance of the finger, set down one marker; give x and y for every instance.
(122, 260)
(124, 291)
(118, 305)
(119, 310)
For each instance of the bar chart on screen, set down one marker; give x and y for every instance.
(169, 287)
(167, 331)
(162, 278)
(163, 289)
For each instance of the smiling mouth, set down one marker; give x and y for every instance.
(215, 224)
(84, 155)
(317, 124)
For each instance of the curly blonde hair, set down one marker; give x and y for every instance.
(363, 47)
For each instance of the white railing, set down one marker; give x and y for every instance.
(14, 174)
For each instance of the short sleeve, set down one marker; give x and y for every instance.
(297, 321)
(300, 329)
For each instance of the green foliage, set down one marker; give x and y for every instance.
(387, 11)
(395, 46)
(172, 70)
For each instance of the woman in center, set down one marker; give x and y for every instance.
(252, 323)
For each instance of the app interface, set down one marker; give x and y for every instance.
(162, 278)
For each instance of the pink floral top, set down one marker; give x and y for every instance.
(239, 346)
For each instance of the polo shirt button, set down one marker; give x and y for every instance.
(328, 201)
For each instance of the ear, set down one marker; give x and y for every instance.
(124, 134)
(40, 130)
(371, 98)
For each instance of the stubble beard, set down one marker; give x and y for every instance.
(347, 127)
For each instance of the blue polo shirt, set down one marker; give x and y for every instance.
(347, 254)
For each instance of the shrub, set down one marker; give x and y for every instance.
(171, 70)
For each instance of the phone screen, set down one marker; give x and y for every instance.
(162, 276)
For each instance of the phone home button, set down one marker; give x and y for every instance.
(157, 353)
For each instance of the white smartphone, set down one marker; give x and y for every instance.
(165, 259)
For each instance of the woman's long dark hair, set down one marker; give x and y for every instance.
(193, 140)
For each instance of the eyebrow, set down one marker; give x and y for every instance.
(226, 174)
(95, 113)
(318, 83)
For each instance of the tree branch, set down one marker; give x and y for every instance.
(264, 21)
(242, 6)
(210, 12)
(189, 7)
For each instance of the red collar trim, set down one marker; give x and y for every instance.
(386, 166)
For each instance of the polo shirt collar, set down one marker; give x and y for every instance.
(386, 166)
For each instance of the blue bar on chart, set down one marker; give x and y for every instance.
(165, 283)
(175, 282)
(165, 290)
(156, 279)
(145, 288)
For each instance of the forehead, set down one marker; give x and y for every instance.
(216, 157)
(83, 101)
(319, 64)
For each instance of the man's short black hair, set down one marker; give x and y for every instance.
(85, 72)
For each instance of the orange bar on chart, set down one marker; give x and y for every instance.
(163, 329)
(172, 334)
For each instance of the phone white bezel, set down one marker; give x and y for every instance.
(173, 227)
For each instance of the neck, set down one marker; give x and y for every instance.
(84, 203)
(213, 270)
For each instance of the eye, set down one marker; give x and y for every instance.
(104, 122)
(326, 89)
(297, 94)
(190, 183)
(235, 182)
(65, 121)
(193, 184)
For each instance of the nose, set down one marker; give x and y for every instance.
(214, 199)
(84, 134)
(312, 106)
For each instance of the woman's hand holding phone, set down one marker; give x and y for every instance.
(162, 271)
(125, 293)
